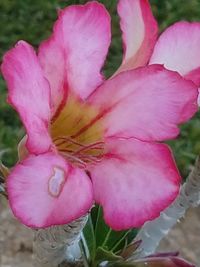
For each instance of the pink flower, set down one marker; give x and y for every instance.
(161, 259)
(171, 261)
(90, 140)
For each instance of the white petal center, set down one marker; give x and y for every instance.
(56, 182)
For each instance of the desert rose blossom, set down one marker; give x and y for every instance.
(90, 140)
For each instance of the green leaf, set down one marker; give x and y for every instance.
(94, 215)
(90, 241)
(129, 250)
(101, 229)
(125, 239)
(105, 255)
(106, 237)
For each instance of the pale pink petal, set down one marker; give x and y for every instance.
(198, 99)
(162, 262)
(45, 190)
(75, 53)
(178, 49)
(139, 30)
(134, 182)
(147, 103)
(52, 60)
(29, 94)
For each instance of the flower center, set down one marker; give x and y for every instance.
(78, 133)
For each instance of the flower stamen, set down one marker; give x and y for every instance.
(78, 153)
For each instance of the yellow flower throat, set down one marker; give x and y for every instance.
(77, 133)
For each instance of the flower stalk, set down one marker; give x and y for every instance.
(154, 231)
(55, 244)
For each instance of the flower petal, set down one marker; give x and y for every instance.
(139, 30)
(198, 99)
(76, 51)
(135, 182)
(44, 190)
(29, 94)
(147, 103)
(52, 60)
(162, 262)
(178, 49)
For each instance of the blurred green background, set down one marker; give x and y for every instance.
(32, 21)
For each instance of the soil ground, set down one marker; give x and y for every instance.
(16, 240)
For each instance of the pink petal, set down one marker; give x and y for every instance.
(44, 190)
(178, 49)
(194, 76)
(134, 182)
(76, 51)
(162, 262)
(29, 94)
(198, 99)
(147, 103)
(139, 30)
(52, 61)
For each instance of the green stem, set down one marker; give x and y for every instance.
(98, 215)
(119, 241)
(82, 248)
(107, 237)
